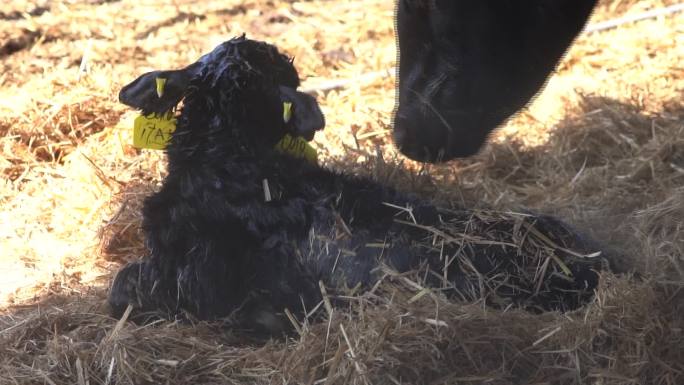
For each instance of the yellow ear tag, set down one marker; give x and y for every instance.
(161, 83)
(153, 131)
(297, 147)
(287, 111)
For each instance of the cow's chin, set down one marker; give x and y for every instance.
(434, 139)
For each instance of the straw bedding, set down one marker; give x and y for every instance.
(600, 148)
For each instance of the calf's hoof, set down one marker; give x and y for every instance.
(133, 285)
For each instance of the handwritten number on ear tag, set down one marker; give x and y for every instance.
(153, 131)
(297, 147)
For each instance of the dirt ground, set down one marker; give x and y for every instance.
(601, 147)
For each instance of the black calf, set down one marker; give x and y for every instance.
(219, 247)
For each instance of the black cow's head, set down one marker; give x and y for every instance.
(465, 66)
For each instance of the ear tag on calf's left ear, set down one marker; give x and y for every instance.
(297, 147)
(153, 131)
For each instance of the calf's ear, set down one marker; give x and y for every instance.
(158, 91)
(304, 117)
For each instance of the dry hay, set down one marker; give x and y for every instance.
(601, 147)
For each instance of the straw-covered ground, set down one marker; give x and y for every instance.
(602, 147)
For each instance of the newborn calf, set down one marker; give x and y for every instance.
(242, 230)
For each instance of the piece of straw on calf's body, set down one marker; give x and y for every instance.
(219, 247)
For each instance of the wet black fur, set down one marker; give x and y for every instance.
(218, 249)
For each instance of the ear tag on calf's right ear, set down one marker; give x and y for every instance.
(287, 111)
(297, 147)
(153, 131)
(161, 83)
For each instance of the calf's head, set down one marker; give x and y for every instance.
(465, 66)
(241, 94)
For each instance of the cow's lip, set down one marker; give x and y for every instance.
(429, 141)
